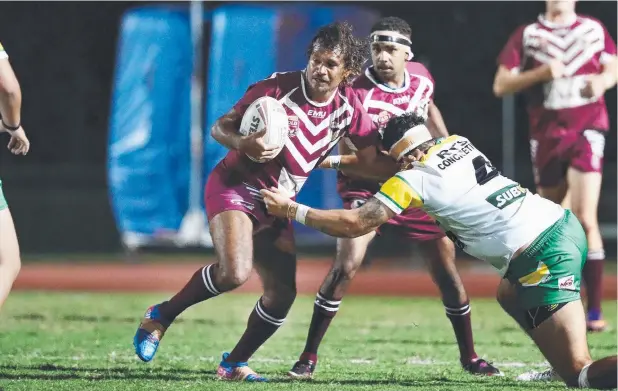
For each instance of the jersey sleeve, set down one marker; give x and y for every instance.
(609, 50)
(398, 194)
(511, 55)
(3, 53)
(362, 132)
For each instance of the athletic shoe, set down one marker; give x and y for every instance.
(149, 334)
(237, 371)
(548, 375)
(482, 367)
(303, 369)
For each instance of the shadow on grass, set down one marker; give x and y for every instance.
(61, 372)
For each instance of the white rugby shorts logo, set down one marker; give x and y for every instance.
(567, 283)
(244, 203)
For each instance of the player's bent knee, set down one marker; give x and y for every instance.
(349, 268)
(506, 295)
(232, 277)
(279, 298)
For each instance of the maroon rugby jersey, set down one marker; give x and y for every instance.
(557, 107)
(383, 102)
(315, 128)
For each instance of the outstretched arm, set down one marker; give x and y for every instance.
(372, 166)
(337, 222)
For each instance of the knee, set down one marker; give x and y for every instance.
(506, 297)
(279, 298)
(10, 267)
(231, 275)
(347, 265)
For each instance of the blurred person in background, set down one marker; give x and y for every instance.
(10, 109)
(564, 63)
(393, 85)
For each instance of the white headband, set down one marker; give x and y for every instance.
(394, 38)
(412, 138)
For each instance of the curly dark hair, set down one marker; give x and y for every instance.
(338, 37)
(393, 23)
(397, 126)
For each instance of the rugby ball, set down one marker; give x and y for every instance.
(266, 112)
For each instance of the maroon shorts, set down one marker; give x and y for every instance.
(226, 192)
(552, 156)
(413, 224)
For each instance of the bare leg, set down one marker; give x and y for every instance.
(232, 234)
(439, 256)
(585, 190)
(10, 261)
(349, 257)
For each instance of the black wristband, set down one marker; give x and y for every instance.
(11, 128)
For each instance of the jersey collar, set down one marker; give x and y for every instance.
(553, 25)
(369, 73)
(316, 104)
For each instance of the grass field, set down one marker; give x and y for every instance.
(56, 341)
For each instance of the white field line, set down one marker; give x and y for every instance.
(114, 357)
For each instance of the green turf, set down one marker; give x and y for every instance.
(53, 341)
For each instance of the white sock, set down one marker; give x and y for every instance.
(583, 377)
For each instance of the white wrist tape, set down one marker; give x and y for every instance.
(301, 213)
(335, 161)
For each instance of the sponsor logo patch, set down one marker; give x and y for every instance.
(567, 283)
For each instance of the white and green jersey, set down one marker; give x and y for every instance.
(486, 214)
(3, 53)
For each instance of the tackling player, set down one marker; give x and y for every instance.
(536, 245)
(392, 86)
(322, 109)
(10, 108)
(565, 62)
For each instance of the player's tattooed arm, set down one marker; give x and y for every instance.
(349, 223)
(336, 222)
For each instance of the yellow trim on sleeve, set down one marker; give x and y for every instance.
(401, 193)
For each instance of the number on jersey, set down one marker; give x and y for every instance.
(484, 170)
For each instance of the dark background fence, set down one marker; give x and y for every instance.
(64, 55)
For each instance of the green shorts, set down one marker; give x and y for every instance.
(549, 270)
(3, 204)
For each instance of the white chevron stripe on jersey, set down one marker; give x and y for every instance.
(423, 91)
(290, 183)
(563, 42)
(305, 165)
(378, 104)
(315, 129)
(583, 58)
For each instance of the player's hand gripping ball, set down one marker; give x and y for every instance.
(265, 127)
